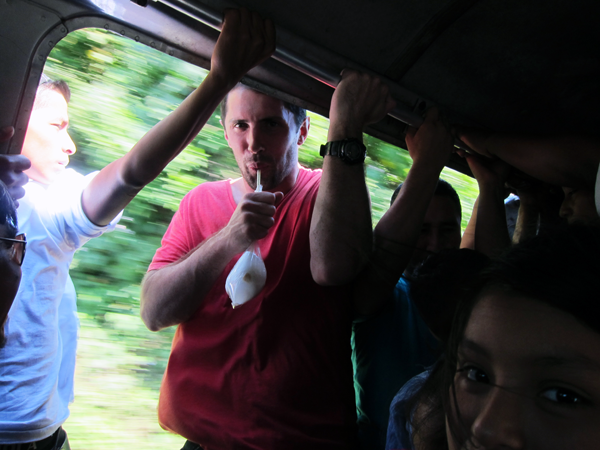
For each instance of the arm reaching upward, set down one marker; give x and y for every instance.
(491, 231)
(468, 237)
(563, 161)
(245, 41)
(397, 232)
(340, 230)
(170, 295)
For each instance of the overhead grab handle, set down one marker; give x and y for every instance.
(288, 57)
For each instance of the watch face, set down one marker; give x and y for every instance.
(350, 151)
(353, 152)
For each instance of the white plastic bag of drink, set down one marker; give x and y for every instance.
(247, 278)
(249, 275)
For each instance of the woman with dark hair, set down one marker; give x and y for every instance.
(438, 287)
(12, 252)
(522, 368)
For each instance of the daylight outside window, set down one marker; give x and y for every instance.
(120, 89)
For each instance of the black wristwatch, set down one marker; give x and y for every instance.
(351, 151)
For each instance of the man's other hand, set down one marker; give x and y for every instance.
(12, 168)
(476, 140)
(432, 142)
(246, 40)
(252, 218)
(359, 100)
(490, 172)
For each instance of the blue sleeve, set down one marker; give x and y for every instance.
(399, 433)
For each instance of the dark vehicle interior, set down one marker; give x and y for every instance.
(510, 66)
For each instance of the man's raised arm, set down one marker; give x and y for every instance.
(491, 235)
(561, 160)
(397, 232)
(340, 230)
(170, 295)
(245, 41)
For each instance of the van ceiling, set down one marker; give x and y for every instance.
(510, 65)
(528, 66)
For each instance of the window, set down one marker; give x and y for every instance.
(120, 89)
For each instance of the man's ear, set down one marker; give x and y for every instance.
(224, 130)
(303, 132)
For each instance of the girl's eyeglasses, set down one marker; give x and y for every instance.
(17, 247)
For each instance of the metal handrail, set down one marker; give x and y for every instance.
(214, 19)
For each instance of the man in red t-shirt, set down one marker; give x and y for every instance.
(274, 372)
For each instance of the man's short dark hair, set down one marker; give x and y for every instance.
(47, 85)
(298, 112)
(443, 189)
(8, 212)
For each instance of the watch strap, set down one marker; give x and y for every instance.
(338, 149)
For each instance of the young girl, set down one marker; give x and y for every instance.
(522, 370)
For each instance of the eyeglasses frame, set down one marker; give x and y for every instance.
(18, 241)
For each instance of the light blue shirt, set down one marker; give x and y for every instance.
(37, 364)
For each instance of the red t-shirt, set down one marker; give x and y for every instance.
(274, 373)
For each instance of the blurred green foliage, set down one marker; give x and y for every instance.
(120, 89)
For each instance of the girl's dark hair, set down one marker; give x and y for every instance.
(561, 270)
(426, 411)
